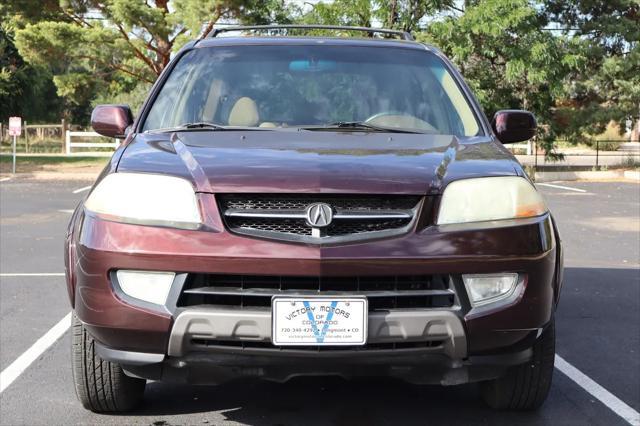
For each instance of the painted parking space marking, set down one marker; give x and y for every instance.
(79, 190)
(34, 274)
(17, 367)
(568, 188)
(4, 179)
(66, 211)
(601, 394)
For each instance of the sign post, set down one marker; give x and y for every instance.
(15, 130)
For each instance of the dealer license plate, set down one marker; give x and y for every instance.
(313, 321)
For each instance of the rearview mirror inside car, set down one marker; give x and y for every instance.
(111, 120)
(514, 125)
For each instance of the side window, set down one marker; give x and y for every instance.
(459, 106)
(164, 112)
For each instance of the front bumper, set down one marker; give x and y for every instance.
(97, 247)
(420, 366)
(199, 329)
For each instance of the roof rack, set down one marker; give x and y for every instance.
(404, 35)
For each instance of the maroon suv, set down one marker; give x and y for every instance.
(286, 205)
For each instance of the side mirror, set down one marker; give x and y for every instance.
(111, 120)
(514, 125)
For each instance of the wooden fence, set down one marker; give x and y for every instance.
(33, 134)
(69, 144)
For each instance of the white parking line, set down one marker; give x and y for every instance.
(4, 179)
(66, 211)
(17, 367)
(607, 398)
(84, 188)
(35, 274)
(568, 188)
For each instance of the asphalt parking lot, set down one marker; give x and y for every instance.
(598, 332)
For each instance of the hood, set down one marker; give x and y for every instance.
(315, 162)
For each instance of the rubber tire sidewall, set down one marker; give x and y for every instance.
(101, 386)
(526, 386)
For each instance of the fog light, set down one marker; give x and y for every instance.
(152, 287)
(488, 288)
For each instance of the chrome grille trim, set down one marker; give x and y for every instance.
(352, 215)
(284, 216)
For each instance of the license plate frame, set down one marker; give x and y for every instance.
(328, 330)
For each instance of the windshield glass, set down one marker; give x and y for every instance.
(313, 86)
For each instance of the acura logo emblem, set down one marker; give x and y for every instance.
(319, 215)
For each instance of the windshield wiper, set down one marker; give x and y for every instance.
(200, 125)
(359, 125)
(205, 126)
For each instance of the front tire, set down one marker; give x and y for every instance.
(101, 386)
(526, 386)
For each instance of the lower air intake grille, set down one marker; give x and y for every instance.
(268, 346)
(383, 292)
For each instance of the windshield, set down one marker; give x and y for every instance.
(311, 87)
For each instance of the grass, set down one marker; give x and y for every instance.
(39, 146)
(53, 164)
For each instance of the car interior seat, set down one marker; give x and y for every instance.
(244, 113)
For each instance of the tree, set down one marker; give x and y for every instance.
(608, 86)
(145, 32)
(573, 63)
(111, 46)
(508, 59)
(397, 14)
(25, 90)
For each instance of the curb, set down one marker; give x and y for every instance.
(632, 174)
(587, 175)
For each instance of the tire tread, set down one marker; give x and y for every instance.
(101, 386)
(526, 386)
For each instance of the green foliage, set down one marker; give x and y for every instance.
(28, 11)
(507, 58)
(134, 97)
(608, 86)
(25, 90)
(103, 48)
(342, 12)
(397, 14)
(84, 61)
(573, 63)
(613, 25)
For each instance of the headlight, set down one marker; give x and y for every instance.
(491, 198)
(146, 199)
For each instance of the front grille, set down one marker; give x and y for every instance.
(383, 292)
(284, 216)
(299, 227)
(371, 225)
(300, 201)
(285, 226)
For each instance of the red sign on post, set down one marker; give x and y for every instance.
(15, 126)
